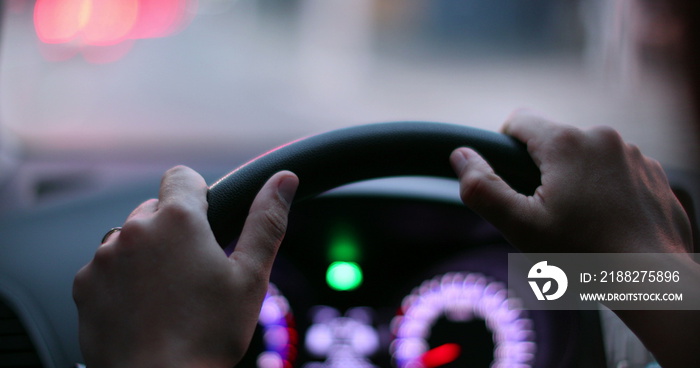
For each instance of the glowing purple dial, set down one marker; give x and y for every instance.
(462, 297)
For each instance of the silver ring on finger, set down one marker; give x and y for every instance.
(110, 232)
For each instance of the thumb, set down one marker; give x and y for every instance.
(482, 190)
(266, 224)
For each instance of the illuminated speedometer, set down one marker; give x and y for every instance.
(439, 324)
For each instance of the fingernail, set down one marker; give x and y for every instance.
(287, 188)
(459, 160)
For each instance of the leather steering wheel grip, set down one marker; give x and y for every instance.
(325, 161)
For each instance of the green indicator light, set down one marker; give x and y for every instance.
(343, 249)
(344, 276)
(343, 246)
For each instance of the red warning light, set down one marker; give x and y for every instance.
(441, 355)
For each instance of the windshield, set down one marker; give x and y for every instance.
(187, 77)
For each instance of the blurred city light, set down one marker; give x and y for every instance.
(92, 27)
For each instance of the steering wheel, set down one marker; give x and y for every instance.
(343, 156)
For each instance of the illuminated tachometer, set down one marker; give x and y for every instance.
(437, 323)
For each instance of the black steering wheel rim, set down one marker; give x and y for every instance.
(326, 161)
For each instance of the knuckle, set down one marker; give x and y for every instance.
(606, 132)
(606, 138)
(567, 136)
(522, 115)
(176, 210)
(655, 171)
(469, 188)
(181, 213)
(151, 204)
(474, 185)
(274, 221)
(133, 232)
(653, 164)
(634, 151)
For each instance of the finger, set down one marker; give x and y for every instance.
(485, 192)
(144, 209)
(526, 124)
(110, 234)
(183, 187)
(266, 224)
(541, 135)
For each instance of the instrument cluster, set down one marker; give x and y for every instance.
(377, 281)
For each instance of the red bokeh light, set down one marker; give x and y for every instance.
(159, 18)
(58, 21)
(96, 24)
(108, 22)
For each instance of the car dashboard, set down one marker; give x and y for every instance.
(391, 272)
(432, 291)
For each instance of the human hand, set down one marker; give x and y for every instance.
(161, 292)
(598, 193)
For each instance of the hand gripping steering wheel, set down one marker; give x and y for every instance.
(343, 156)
